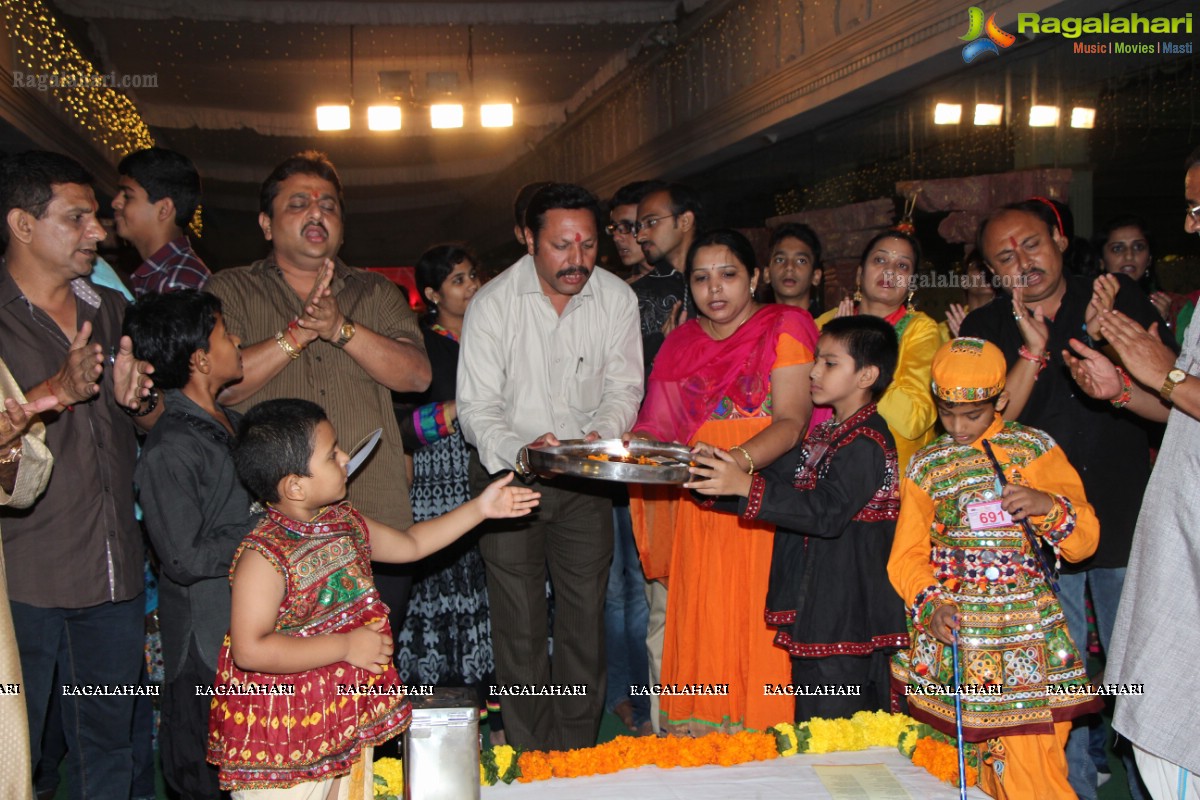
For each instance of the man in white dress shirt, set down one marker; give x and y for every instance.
(551, 350)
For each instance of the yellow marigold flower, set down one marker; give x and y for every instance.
(504, 755)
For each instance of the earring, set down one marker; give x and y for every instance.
(909, 300)
(858, 297)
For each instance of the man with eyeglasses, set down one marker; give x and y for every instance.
(668, 219)
(628, 615)
(1155, 639)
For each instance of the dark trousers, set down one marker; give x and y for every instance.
(869, 674)
(571, 534)
(92, 648)
(183, 735)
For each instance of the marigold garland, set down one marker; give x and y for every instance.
(926, 747)
(389, 779)
(941, 760)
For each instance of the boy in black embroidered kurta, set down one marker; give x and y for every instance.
(835, 500)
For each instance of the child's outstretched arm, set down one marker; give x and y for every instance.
(499, 500)
(257, 592)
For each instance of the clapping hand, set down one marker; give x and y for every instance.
(1031, 322)
(1091, 369)
(955, 314)
(321, 318)
(1104, 297)
(16, 418)
(79, 377)
(500, 500)
(1140, 350)
(131, 376)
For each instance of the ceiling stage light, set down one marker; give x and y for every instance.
(496, 115)
(383, 118)
(1043, 116)
(1083, 117)
(333, 118)
(988, 114)
(446, 115)
(947, 114)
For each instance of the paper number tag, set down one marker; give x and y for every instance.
(985, 516)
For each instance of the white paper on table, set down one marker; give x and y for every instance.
(860, 782)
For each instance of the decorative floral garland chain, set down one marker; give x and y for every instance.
(504, 764)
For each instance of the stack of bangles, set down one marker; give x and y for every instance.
(1122, 400)
(288, 342)
(1041, 360)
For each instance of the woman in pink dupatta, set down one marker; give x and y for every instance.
(736, 379)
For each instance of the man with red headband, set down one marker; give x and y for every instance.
(1041, 307)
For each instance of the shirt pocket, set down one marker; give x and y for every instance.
(585, 390)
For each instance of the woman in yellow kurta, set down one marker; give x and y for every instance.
(25, 464)
(885, 282)
(734, 378)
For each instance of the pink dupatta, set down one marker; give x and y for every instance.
(693, 372)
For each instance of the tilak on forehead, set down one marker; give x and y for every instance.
(1013, 241)
(578, 237)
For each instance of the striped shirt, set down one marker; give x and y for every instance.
(173, 266)
(257, 303)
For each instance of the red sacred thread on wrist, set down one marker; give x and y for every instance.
(1041, 360)
(1122, 400)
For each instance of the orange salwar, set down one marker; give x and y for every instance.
(719, 568)
(1035, 767)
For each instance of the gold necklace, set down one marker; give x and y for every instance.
(712, 332)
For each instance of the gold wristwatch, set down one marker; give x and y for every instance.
(344, 335)
(1174, 378)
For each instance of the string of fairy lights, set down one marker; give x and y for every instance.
(43, 47)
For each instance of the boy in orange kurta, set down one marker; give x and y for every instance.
(963, 562)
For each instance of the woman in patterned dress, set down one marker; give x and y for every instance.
(446, 638)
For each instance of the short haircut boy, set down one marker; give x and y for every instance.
(167, 328)
(165, 173)
(275, 440)
(871, 342)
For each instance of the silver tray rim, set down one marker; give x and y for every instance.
(570, 457)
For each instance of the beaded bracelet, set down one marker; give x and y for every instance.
(1122, 400)
(152, 403)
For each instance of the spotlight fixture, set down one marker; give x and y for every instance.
(333, 118)
(383, 118)
(947, 114)
(1083, 117)
(988, 114)
(1043, 116)
(496, 115)
(446, 115)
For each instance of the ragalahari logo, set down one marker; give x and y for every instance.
(997, 37)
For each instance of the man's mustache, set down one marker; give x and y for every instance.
(562, 273)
